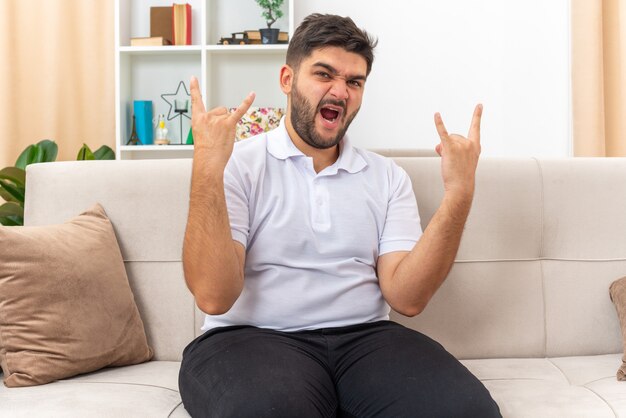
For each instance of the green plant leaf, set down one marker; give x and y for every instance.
(12, 221)
(14, 174)
(43, 152)
(104, 153)
(6, 196)
(39, 155)
(15, 191)
(26, 157)
(85, 154)
(11, 209)
(49, 151)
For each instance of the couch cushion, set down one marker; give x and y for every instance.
(144, 390)
(557, 387)
(479, 303)
(554, 387)
(580, 318)
(65, 303)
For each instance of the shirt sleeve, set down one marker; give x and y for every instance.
(237, 202)
(402, 228)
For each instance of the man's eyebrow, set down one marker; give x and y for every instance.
(334, 71)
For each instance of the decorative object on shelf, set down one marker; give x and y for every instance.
(13, 179)
(190, 137)
(181, 19)
(161, 23)
(258, 120)
(271, 13)
(143, 116)
(161, 132)
(179, 104)
(152, 41)
(251, 37)
(254, 36)
(237, 38)
(134, 139)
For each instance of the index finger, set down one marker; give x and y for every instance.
(474, 131)
(441, 128)
(243, 107)
(196, 97)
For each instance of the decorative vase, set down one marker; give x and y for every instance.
(269, 35)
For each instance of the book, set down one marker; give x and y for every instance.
(181, 23)
(143, 118)
(152, 41)
(253, 35)
(161, 23)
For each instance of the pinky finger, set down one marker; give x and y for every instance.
(244, 106)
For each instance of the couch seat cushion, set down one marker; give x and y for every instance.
(148, 390)
(554, 387)
(551, 387)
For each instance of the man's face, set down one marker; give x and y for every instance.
(326, 95)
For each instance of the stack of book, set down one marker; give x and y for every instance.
(170, 25)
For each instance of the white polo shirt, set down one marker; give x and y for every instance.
(312, 239)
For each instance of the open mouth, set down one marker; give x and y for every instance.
(330, 113)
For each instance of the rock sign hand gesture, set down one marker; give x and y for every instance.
(459, 155)
(214, 131)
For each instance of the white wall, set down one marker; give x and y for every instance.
(448, 55)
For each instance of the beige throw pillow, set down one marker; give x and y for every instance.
(617, 290)
(65, 303)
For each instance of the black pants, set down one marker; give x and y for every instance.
(380, 369)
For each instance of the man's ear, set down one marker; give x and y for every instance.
(286, 78)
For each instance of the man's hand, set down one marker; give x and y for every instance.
(409, 280)
(459, 156)
(214, 131)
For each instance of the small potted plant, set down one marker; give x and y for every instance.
(271, 13)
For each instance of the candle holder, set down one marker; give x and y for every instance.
(179, 106)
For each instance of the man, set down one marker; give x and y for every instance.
(297, 243)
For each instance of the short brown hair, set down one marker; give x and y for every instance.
(321, 30)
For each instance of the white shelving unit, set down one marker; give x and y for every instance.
(227, 73)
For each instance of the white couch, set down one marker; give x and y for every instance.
(526, 306)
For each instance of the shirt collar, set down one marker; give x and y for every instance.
(280, 145)
(349, 159)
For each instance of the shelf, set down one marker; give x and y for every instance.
(194, 49)
(142, 148)
(230, 49)
(160, 50)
